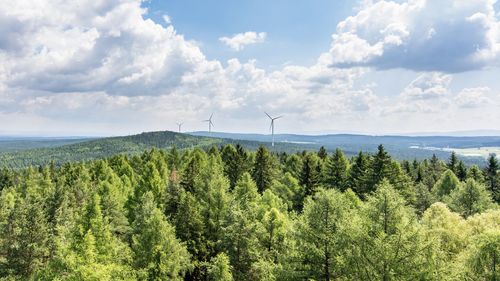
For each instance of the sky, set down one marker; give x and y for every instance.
(116, 67)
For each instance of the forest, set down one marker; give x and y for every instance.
(227, 213)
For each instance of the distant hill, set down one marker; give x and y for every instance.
(130, 145)
(401, 147)
(104, 147)
(67, 150)
(14, 143)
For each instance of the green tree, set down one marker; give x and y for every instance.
(158, 254)
(219, 268)
(453, 163)
(323, 237)
(481, 261)
(390, 245)
(235, 163)
(293, 165)
(263, 169)
(380, 168)
(337, 171)
(358, 174)
(445, 185)
(493, 178)
(310, 177)
(470, 198)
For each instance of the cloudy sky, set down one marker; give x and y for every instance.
(112, 67)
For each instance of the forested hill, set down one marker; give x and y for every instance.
(129, 145)
(104, 147)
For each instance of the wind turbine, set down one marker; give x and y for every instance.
(272, 125)
(210, 123)
(180, 126)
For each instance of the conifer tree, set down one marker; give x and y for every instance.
(310, 178)
(322, 237)
(493, 178)
(380, 168)
(219, 268)
(461, 171)
(358, 174)
(453, 163)
(337, 171)
(390, 245)
(158, 254)
(263, 169)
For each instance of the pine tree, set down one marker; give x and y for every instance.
(263, 169)
(234, 163)
(493, 178)
(453, 163)
(358, 174)
(381, 166)
(476, 174)
(337, 171)
(158, 254)
(461, 171)
(322, 154)
(310, 178)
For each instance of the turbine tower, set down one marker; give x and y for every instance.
(210, 123)
(180, 126)
(272, 125)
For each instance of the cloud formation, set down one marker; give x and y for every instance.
(106, 67)
(422, 35)
(238, 41)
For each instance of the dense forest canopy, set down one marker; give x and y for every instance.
(231, 214)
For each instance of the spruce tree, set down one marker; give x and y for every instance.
(310, 178)
(263, 169)
(358, 174)
(380, 168)
(493, 178)
(337, 171)
(453, 162)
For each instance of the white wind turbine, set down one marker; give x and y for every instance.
(180, 126)
(272, 125)
(210, 123)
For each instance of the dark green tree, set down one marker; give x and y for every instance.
(337, 171)
(263, 169)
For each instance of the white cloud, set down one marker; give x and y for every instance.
(474, 97)
(239, 41)
(103, 67)
(419, 35)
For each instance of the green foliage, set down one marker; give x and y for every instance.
(219, 268)
(229, 214)
(337, 171)
(470, 198)
(445, 185)
(263, 169)
(158, 254)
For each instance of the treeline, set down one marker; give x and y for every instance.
(231, 214)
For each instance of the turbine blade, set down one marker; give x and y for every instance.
(268, 115)
(211, 116)
(278, 117)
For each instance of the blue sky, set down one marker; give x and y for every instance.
(111, 67)
(297, 31)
